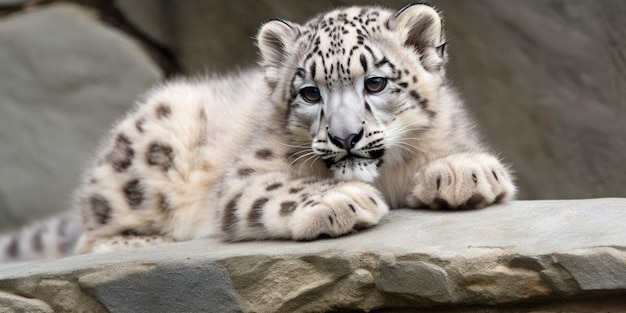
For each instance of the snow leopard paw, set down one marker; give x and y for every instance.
(340, 210)
(462, 181)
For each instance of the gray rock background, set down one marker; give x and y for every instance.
(64, 78)
(546, 80)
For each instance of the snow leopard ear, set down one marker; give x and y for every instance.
(422, 28)
(273, 39)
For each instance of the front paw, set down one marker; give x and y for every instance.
(462, 181)
(339, 210)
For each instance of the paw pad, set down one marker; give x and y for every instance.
(474, 200)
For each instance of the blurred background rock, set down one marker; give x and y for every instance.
(545, 79)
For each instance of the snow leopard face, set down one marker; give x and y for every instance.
(358, 85)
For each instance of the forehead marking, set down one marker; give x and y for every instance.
(335, 38)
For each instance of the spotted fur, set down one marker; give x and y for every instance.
(349, 115)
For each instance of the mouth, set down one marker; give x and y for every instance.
(352, 158)
(353, 167)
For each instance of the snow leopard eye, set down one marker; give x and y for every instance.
(310, 94)
(375, 84)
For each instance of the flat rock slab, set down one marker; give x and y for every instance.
(518, 253)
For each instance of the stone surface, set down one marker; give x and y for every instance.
(510, 256)
(200, 287)
(65, 78)
(16, 304)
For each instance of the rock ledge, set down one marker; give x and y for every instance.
(514, 254)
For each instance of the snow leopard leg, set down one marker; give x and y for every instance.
(274, 205)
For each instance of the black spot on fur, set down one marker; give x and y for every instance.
(229, 220)
(66, 244)
(373, 201)
(37, 240)
(312, 69)
(163, 203)
(367, 107)
(130, 232)
(431, 114)
(273, 186)
(256, 212)
(139, 124)
(264, 154)
(363, 61)
(415, 95)
(295, 190)
(13, 248)
(287, 207)
(121, 156)
(243, 172)
(133, 190)
(163, 111)
(160, 154)
(300, 72)
(101, 208)
(384, 61)
(423, 103)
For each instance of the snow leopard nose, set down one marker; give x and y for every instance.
(348, 142)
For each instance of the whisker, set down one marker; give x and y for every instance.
(407, 146)
(400, 132)
(303, 146)
(300, 152)
(412, 148)
(311, 159)
(307, 154)
(403, 129)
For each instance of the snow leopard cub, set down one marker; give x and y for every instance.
(349, 115)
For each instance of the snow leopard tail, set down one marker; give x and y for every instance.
(54, 237)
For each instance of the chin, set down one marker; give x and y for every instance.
(365, 170)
